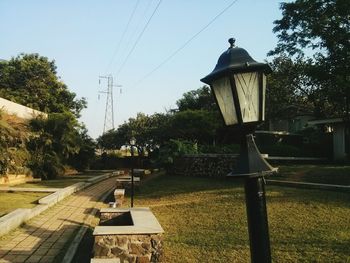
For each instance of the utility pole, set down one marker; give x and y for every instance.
(109, 111)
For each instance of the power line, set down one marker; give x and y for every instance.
(123, 35)
(184, 45)
(133, 33)
(139, 37)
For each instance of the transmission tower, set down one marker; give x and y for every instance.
(109, 111)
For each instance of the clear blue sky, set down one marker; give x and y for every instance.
(82, 36)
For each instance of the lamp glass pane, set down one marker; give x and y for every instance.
(223, 93)
(264, 95)
(247, 85)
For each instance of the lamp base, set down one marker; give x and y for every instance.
(250, 161)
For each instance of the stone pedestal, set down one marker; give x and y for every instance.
(125, 182)
(119, 196)
(128, 235)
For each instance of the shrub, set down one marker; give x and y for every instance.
(175, 148)
(13, 137)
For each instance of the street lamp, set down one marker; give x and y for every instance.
(132, 144)
(239, 84)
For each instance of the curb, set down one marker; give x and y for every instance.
(17, 217)
(332, 187)
(69, 256)
(25, 189)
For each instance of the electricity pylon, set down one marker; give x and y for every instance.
(109, 111)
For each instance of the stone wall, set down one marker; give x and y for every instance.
(210, 165)
(128, 235)
(140, 248)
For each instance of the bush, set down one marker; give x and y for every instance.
(13, 137)
(175, 148)
(219, 149)
(108, 161)
(46, 167)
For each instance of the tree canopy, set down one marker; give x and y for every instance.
(48, 144)
(200, 99)
(196, 120)
(288, 93)
(317, 32)
(31, 80)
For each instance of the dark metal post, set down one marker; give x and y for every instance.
(132, 176)
(252, 167)
(257, 220)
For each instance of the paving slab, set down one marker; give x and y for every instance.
(43, 238)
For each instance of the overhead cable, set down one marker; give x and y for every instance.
(184, 45)
(139, 37)
(123, 35)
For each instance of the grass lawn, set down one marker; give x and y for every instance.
(205, 221)
(63, 181)
(326, 174)
(12, 201)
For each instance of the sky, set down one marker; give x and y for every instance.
(91, 38)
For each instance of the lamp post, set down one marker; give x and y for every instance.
(132, 144)
(238, 83)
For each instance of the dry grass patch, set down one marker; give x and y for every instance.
(12, 201)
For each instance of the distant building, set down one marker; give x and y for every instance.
(340, 129)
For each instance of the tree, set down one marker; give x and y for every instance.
(195, 125)
(149, 131)
(31, 80)
(288, 93)
(200, 99)
(54, 141)
(320, 28)
(82, 159)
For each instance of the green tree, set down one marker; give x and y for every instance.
(149, 131)
(31, 80)
(288, 93)
(318, 32)
(200, 99)
(82, 159)
(54, 141)
(195, 125)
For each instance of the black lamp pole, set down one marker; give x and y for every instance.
(132, 174)
(254, 185)
(238, 83)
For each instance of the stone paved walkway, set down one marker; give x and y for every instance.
(46, 237)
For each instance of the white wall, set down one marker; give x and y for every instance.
(19, 110)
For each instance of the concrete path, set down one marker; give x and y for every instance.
(46, 237)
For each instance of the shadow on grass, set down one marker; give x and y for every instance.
(169, 185)
(316, 174)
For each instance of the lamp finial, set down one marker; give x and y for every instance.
(232, 42)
